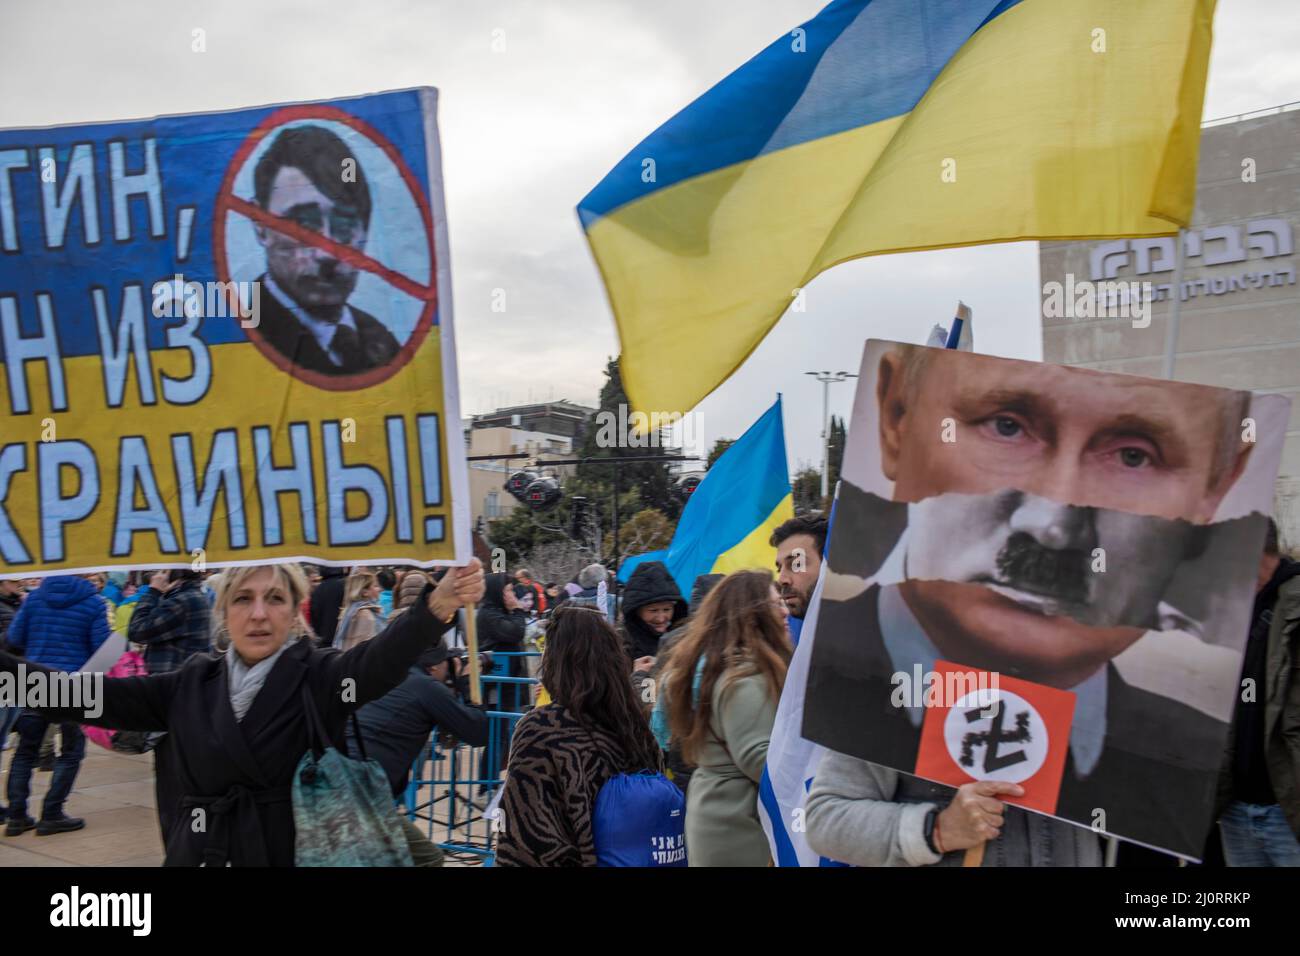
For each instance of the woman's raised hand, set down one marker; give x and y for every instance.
(458, 587)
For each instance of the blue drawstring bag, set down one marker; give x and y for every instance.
(640, 820)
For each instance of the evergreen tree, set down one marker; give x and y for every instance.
(835, 457)
(604, 438)
(806, 489)
(641, 486)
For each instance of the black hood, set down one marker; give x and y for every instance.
(327, 572)
(651, 583)
(494, 586)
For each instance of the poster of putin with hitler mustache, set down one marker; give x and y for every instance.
(1044, 574)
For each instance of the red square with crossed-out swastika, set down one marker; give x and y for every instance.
(985, 726)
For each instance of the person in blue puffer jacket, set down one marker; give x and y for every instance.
(60, 625)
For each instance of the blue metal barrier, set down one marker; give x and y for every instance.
(451, 788)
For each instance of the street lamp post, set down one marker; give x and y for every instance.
(827, 379)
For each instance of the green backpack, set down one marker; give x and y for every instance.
(343, 810)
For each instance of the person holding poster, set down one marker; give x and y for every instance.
(1035, 591)
(237, 723)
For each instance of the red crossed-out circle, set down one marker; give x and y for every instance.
(228, 202)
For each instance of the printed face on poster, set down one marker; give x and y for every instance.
(227, 337)
(1044, 574)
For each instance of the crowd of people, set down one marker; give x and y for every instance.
(634, 689)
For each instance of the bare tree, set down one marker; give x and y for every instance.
(558, 561)
(647, 530)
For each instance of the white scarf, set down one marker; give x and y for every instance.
(245, 681)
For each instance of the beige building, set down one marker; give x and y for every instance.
(545, 432)
(1239, 301)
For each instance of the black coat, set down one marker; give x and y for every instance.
(9, 605)
(326, 604)
(240, 773)
(278, 328)
(650, 583)
(499, 629)
(396, 728)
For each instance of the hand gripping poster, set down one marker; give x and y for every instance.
(1043, 575)
(227, 338)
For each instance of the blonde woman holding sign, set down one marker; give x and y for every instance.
(238, 723)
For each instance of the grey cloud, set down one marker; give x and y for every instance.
(526, 133)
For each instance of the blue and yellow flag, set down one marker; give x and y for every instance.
(733, 511)
(887, 126)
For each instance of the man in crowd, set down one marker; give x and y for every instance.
(1259, 787)
(396, 728)
(589, 580)
(11, 599)
(61, 624)
(525, 577)
(799, 544)
(172, 620)
(326, 604)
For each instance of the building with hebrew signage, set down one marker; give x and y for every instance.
(1239, 300)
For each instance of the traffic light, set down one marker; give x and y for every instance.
(543, 494)
(579, 515)
(517, 484)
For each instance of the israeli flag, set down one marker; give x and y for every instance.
(791, 760)
(961, 336)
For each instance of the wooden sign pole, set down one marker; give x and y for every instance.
(471, 646)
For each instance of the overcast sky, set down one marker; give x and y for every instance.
(527, 131)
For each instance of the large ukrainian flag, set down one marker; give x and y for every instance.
(885, 126)
(731, 514)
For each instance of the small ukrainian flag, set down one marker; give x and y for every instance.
(731, 514)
